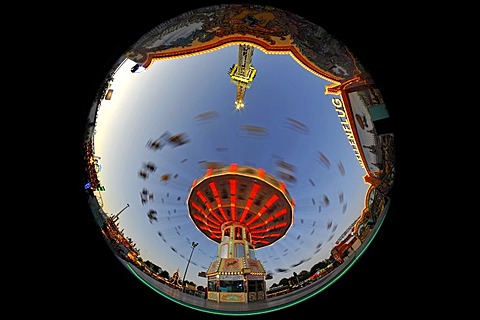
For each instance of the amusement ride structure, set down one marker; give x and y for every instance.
(242, 209)
(243, 73)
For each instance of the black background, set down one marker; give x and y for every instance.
(83, 277)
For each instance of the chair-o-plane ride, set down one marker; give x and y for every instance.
(242, 209)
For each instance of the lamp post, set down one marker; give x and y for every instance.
(194, 244)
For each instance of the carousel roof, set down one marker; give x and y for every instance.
(242, 195)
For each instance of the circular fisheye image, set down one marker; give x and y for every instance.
(238, 159)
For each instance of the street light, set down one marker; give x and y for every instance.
(194, 244)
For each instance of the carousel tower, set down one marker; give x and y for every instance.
(242, 209)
